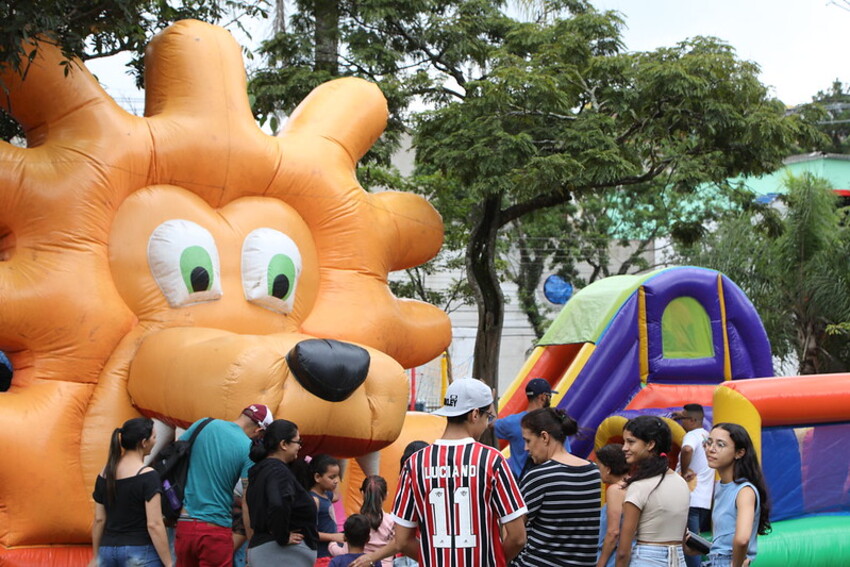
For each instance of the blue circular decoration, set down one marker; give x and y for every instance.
(557, 290)
(5, 372)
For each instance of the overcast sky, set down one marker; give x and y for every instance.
(800, 45)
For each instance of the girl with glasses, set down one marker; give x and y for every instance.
(281, 512)
(741, 505)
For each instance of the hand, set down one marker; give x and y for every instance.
(362, 561)
(295, 538)
(746, 562)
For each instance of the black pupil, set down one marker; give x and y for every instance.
(200, 279)
(5, 377)
(280, 287)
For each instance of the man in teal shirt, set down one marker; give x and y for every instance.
(219, 460)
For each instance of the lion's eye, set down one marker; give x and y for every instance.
(184, 261)
(271, 264)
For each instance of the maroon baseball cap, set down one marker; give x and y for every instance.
(259, 414)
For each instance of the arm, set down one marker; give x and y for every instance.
(515, 537)
(97, 530)
(156, 529)
(614, 496)
(406, 542)
(246, 516)
(388, 550)
(279, 496)
(745, 503)
(631, 518)
(685, 458)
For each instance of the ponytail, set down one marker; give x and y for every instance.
(374, 489)
(556, 422)
(125, 438)
(112, 464)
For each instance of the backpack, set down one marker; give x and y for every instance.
(172, 464)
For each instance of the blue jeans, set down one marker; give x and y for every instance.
(128, 556)
(697, 522)
(657, 556)
(720, 560)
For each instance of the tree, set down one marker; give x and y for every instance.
(792, 264)
(544, 112)
(835, 119)
(90, 30)
(605, 233)
(526, 116)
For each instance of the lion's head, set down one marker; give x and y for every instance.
(185, 264)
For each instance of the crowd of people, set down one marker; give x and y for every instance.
(459, 502)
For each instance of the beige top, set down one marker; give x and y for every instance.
(664, 510)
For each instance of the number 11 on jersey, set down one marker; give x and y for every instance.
(463, 501)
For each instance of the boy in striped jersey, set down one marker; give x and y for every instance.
(460, 493)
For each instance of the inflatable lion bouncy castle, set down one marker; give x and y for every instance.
(185, 264)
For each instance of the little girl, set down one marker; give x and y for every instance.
(324, 473)
(741, 506)
(382, 527)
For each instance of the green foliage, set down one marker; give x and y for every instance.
(92, 29)
(792, 264)
(834, 118)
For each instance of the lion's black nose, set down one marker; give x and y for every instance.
(329, 369)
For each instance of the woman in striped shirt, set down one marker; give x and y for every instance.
(562, 493)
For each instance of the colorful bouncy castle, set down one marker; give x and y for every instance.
(648, 344)
(625, 341)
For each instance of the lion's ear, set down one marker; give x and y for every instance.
(352, 112)
(54, 97)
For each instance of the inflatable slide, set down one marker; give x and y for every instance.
(626, 342)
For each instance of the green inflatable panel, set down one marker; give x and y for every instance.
(817, 541)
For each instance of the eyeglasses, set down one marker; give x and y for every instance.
(300, 443)
(708, 444)
(490, 417)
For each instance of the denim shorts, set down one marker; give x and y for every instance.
(128, 556)
(657, 556)
(717, 560)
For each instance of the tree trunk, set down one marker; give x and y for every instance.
(481, 272)
(327, 36)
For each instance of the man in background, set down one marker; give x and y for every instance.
(539, 395)
(694, 468)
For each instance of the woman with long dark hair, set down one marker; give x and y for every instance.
(655, 511)
(562, 492)
(741, 505)
(128, 527)
(281, 513)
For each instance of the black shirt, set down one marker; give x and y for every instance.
(278, 505)
(126, 519)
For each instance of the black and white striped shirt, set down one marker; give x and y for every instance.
(563, 515)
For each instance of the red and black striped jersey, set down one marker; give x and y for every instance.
(457, 492)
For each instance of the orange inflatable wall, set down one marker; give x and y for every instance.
(104, 219)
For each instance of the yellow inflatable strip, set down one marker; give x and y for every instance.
(727, 360)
